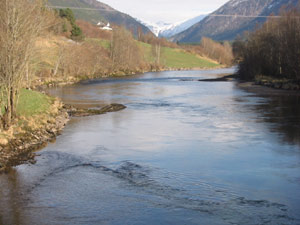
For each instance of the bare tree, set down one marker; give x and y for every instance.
(125, 52)
(21, 22)
(156, 51)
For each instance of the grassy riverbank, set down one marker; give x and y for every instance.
(40, 118)
(32, 103)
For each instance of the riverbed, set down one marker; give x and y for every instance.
(182, 152)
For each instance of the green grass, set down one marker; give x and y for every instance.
(32, 103)
(177, 58)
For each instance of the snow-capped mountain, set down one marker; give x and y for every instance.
(162, 29)
(156, 28)
(179, 27)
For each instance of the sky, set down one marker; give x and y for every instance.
(165, 10)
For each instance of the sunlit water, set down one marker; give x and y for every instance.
(183, 152)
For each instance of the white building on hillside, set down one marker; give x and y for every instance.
(102, 26)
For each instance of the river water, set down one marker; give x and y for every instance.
(183, 152)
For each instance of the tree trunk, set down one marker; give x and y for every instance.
(13, 103)
(7, 113)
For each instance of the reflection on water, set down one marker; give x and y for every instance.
(283, 112)
(9, 196)
(183, 152)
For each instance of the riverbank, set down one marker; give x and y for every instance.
(265, 90)
(39, 85)
(31, 131)
(284, 84)
(259, 86)
(19, 143)
(58, 65)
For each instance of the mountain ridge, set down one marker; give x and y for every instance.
(95, 11)
(229, 27)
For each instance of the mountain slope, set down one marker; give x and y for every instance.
(229, 27)
(179, 27)
(94, 11)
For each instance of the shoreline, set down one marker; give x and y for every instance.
(60, 83)
(251, 86)
(20, 148)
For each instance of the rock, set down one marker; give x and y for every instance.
(113, 108)
(90, 112)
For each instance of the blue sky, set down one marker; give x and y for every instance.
(165, 10)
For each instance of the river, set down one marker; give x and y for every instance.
(183, 152)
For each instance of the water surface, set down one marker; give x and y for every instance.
(183, 152)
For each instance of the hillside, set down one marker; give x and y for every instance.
(94, 11)
(173, 58)
(228, 27)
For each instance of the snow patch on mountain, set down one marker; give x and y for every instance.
(162, 29)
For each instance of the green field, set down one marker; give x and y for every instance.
(177, 58)
(32, 103)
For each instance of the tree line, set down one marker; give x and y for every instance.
(272, 50)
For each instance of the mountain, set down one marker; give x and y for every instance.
(156, 28)
(162, 29)
(179, 27)
(233, 19)
(94, 11)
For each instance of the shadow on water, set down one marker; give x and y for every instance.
(10, 209)
(281, 111)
